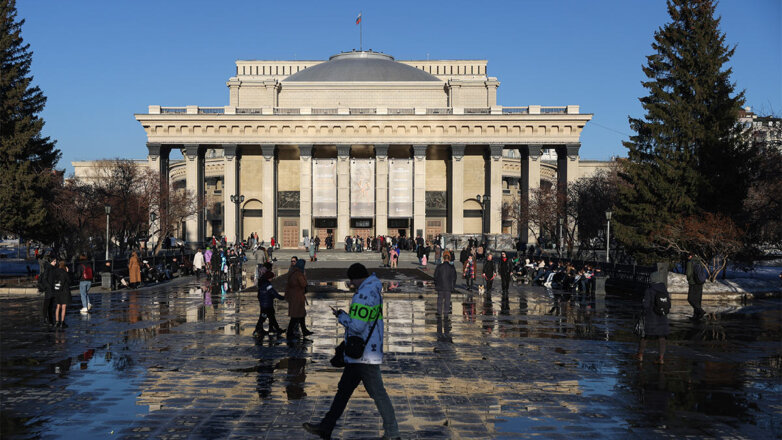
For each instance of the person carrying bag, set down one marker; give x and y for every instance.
(362, 355)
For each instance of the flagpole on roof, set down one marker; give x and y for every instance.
(360, 32)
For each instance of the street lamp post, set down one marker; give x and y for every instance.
(483, 200)
(108, 211)
(237, 199)
(560, 242)
(608, 234)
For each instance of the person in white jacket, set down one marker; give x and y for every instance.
(364, 320)
(198, 263)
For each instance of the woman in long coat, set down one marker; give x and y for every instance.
(655, 324)
(295, 291)
(134, 270)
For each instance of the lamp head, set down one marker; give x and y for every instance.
(108, 209)
(608, 215)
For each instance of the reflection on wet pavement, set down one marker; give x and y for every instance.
(180, 361)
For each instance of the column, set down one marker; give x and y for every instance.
(494, 190)
(530, 181)
(230, 187)
(268, 193)
(567, 171)
(305, 189)
(194, 183)
(157, 160)
(419, 190)
(343, 192)
(456, 190)
(567, 165)
(381, 189)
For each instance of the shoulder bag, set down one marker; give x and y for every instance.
(355, 345)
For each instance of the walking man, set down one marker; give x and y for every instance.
(506, 266)
(444, 283)
(365, 320)
(489, 272)
(695, 287)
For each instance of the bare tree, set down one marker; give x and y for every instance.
(179, 205)
(713, 238)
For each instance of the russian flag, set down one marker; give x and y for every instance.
(358, 19)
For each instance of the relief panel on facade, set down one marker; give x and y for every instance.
(324, 187)
(288, 199)
(400, 188)
(362, 188)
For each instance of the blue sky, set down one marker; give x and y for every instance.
(99, 62)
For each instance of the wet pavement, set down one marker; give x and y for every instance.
(179, 361)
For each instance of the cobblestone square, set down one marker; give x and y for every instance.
(179, 361)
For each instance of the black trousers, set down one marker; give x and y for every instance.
(470, 282)
(47, 312)
(267, 313)
(505, 283)
(292, 326)
(694, 296)
(488, 283)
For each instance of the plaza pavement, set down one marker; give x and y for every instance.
(179, 361)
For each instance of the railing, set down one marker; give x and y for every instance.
(477, 111)
(401, 111)
(553, 110)
(439, 111)
(325, 111)
(515, 110)
(173, 110)
(211, 110)
(287, 111)
(363, 111)
(249, 111)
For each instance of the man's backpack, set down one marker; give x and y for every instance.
(662, 303)
(86, 274)
(701, 275)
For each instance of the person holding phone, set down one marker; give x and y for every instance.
(364, 320)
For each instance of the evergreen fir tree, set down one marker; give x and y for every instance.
(27, 158)
(688, 154)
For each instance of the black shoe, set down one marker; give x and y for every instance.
(307, 333)
(63, 324)
(317, 430)
(57, 324)
(279, 331)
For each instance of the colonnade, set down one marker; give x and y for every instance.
(567, 170)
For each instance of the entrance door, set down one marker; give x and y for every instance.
(290, 233)
(433, 229)
(361, 232)
(323, 233)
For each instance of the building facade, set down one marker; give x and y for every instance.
(363, 144)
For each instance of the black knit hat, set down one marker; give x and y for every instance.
(357, 271)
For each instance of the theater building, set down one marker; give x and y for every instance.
(363, 144)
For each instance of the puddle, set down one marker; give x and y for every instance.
(544, 364)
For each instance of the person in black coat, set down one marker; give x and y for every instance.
(444, 284)
(60, 282)
(655, 324)
(266, 296)
(47, 266)
(489, 272)
(506, 266)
